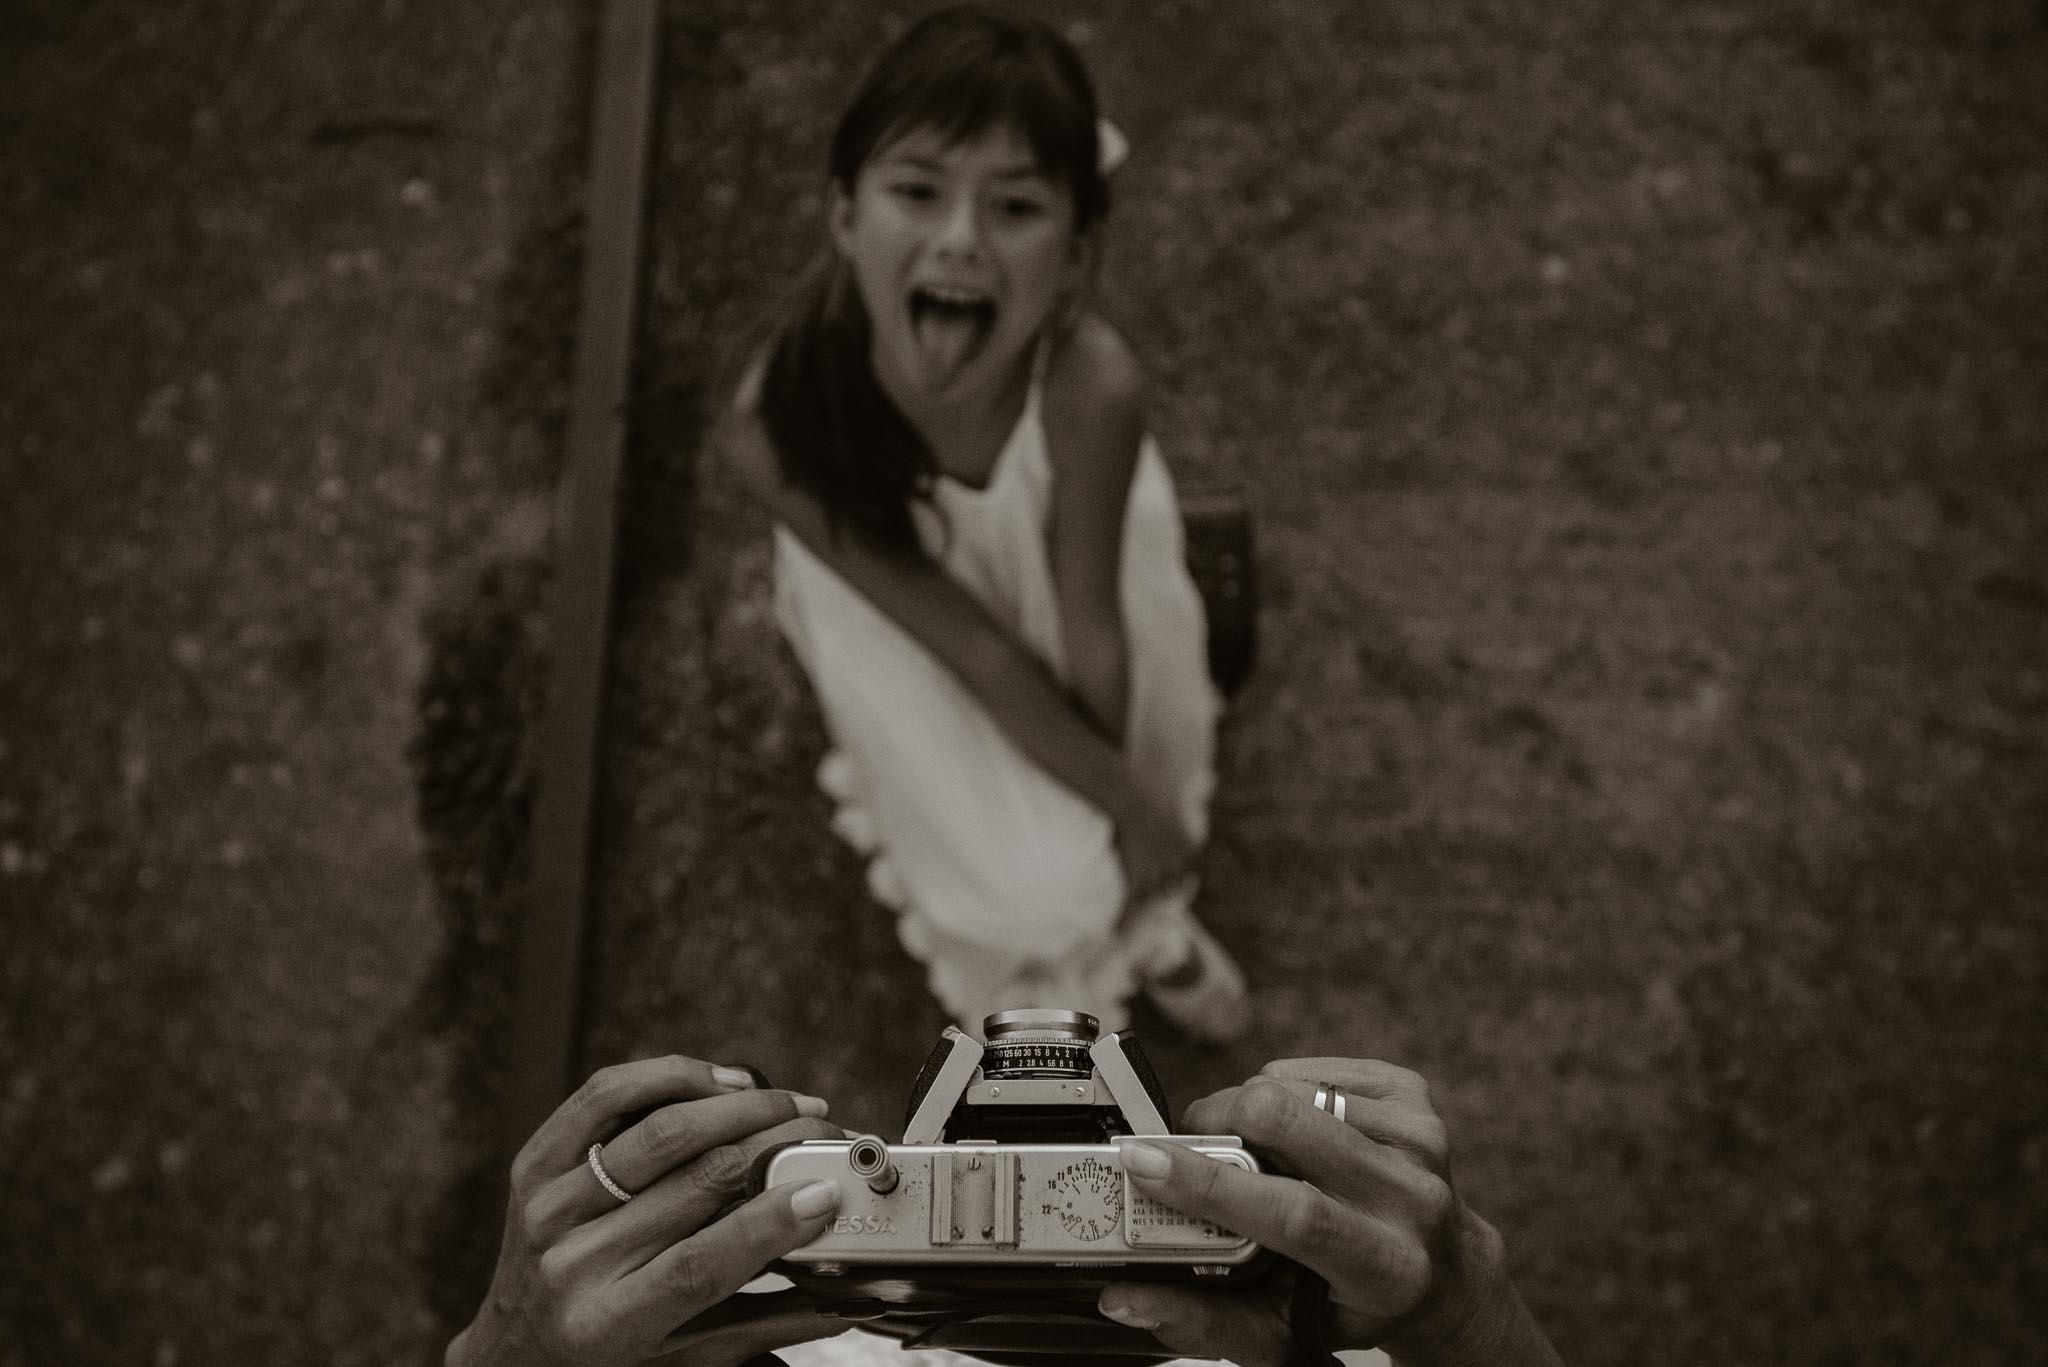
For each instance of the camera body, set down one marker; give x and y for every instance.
(1007, 1180)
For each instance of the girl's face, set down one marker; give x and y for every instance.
(961, 251)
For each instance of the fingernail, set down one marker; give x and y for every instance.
(1129, 1315)
(812, 1106)
(1144, 1160)
(814, 1199)
(732, 1079)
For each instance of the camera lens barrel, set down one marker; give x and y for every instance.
(1041, 1022)
(1038, 1042)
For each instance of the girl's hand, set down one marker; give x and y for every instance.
(1155, 851)
(586, 1279)
(1369, 1206)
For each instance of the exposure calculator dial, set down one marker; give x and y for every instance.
(1087, 1198)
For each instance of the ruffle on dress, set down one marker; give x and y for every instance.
(1098, 975)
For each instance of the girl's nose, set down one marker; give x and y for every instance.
(959, 233)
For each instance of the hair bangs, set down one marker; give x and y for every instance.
(967, 108)
(963, 75)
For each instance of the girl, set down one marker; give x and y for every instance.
(978, 554)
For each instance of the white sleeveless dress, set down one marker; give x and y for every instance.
(1006, 884)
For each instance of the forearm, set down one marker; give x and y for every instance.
(1009, 680)
(1028, 705)
(1098, 668)
(1476, 1317)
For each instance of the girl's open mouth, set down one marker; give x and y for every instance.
(950, 328)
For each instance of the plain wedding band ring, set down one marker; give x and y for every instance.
(1331, 1099)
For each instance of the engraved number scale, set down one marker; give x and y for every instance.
(1087, 1198)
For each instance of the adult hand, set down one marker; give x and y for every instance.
(587, 1280)
(1366, 1202)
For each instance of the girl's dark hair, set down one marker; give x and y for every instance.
(960, 72)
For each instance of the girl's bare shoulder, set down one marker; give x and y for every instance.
(1094, 399)
(1092, 364)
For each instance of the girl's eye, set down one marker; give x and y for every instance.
(1018, 206)
(915, 191)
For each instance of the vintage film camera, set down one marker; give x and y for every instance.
(994, 1223)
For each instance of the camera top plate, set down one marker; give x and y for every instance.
(990, 1204)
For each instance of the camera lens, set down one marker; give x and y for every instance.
(1041, 1022)
(1038, 1041)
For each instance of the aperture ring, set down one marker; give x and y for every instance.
(1036, 1058)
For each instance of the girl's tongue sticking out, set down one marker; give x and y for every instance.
(950, 329)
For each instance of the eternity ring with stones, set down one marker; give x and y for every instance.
(604, 1179)
(1329, 1099)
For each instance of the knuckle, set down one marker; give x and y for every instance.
(1434, 1138)
(1416, 1087)
(788, 1132)
(808, 1128)
(562, 1329)
(690, 1281)
(597, 1090)
(579, 1329)
(557, 1268)
(533, 1219)
(1479, 1242)
(723, 1168)
(526, 1167)
(1435, 1204)
(1211, 1114)
(1263, 1110)
(1307, 1223)
(1411, 1272)
(666, 1130)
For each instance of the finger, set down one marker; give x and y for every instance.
(1245, 1329)
(1280, 1213)
(692, 1197)
(608, 1094)
(1275, 1120)
(691, 1276)
(1358, 1076)
(668, 1139)
(1374, 1266)
(673, 1135)
(1397, 1121)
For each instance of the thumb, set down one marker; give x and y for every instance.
(1245, 1328)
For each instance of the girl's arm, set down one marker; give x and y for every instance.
(1019, 692)
(1094, 422)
